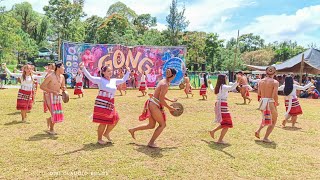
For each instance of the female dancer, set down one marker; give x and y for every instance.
(78, 89)
(222, 113)
(143, 85)
(204, 86)
(26, 91)
(122, 86)
(293, 108)
(104, 111)
(154, 109)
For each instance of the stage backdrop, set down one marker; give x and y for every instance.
(151, 59)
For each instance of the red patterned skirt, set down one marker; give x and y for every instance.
(146, 111)
(203, 90)
(295, 107)
(24, 100)
(55, 104)
(224, 117)
(78, 89)
(142, 86)
(104, 111)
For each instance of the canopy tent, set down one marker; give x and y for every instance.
(310, 63)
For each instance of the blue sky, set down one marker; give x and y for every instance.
(273, 20)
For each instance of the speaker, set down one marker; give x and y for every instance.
(203, 67)
(195, 67)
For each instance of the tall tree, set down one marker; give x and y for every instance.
(123, 10)
(143, 22)
(112, 29)
(63, 13)
(23, 12)
(91, 26)
(177, 22)
(154, 37)
(250, 42)
(213, 46)
(262, 57)
(196, 43)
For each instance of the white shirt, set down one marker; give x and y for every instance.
(109, 86)
(26, 84)
(295, 88)
(224, 89)
(79, 78)
(202, 79)
(143, 78)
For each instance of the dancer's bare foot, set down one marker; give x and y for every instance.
(249, 101)
(51, 132)
(132, 133)
(101, 142)
(212, 134)
(284, 123)
(191, 95)
(153, 145)
(108, 137)
(257, 135)
(23, 120)
(222, 142)
(266, 140)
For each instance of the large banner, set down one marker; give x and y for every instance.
(153, 60)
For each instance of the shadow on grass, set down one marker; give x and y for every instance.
(271, 145)
(75, 98)
(152, 152)
(88, 147)
(14, 113)
(218, 147)
(15, 122)
(241, 104)
(288, 128)
(39, 137)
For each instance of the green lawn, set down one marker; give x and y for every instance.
(187, 151)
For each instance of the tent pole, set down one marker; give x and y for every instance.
(301, 69)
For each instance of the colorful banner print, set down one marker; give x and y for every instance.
(150, 59)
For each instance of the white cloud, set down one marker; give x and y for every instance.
(160, 27)
(298, 26)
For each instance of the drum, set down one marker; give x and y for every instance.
(179, 108)
(182, 86)
(65, 96)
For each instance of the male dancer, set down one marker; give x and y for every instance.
(244, 87)
(52, 85)
(268, 90)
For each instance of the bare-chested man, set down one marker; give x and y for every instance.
(268, 90)
(244, 87)
(188, 88)
(52, 85)
(154, 108)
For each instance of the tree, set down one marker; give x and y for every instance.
(250, 42)
(23, 12)
(212, 49)
(123, 10)
(91, 26)
(228, 63)
(195, 42)
(176, 23)
(262, 57)
(62, 14)
(143, 22)
(285, 50)
(112, 29)
(154, 37)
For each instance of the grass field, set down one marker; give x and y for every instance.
(187, 151)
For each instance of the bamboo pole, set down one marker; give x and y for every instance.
(301, 69)
(235, 57)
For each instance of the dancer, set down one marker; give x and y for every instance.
(244, 87)
(222, 113)
(48, 69)
(122, 86)
(268, 91)
(143, 85)
(204, 86)
(154, 108)
(104, 111)
(26, 91)
(78, 89)
(133, 79)
(52, 85)
(293, 108)
(188, 88)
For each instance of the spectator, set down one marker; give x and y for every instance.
(313, 93)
